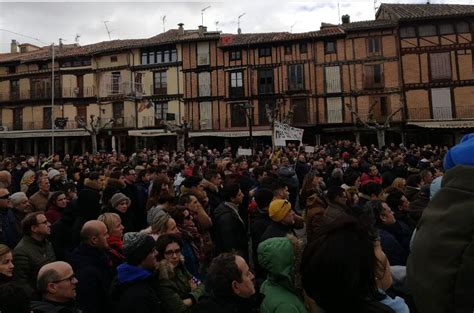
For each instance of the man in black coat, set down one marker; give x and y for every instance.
(92, 267)
(57, 285)
(213, 186)
(134, 289)
(231, 287)
(131, 191)
(229, 230)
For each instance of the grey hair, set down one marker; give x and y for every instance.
(17, 197)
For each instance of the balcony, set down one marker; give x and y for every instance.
(44, 93)
(117, 89)
(76, 92)
(119, 122)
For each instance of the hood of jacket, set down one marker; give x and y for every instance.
(281, 257)
(286, 171)
(128, 273)
(166, 269)
(92, 184)
(224, 209)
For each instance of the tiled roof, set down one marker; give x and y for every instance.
(422, 11)
(374, 24)
(170, 36)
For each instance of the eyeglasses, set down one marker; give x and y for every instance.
(70, 279)
(5, 197)
(173, 252)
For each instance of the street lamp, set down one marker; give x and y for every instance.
(248, 107)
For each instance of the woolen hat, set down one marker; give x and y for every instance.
(137, 246)
(278, 209)
(117, 198)
(157, 216)
(53, 173)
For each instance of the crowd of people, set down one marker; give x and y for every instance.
(348, 228)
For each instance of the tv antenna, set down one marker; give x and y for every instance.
(163, 19)
(202, 14)
(107, 29)
(217, 23)
(238, 23)
(76, 40)
(291, 27)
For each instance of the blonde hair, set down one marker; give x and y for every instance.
(4, 249)
(399, 183)
(110, 220)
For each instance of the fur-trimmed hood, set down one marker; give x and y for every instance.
(115, 183)
(166, 269)
(281, 258)
(93, 184)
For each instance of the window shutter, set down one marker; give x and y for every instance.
(203, 53)
(334, 109)
(205, 111)
(333, 79)
(205, 84)
(440, 65)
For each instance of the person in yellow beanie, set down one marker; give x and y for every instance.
(283, 220)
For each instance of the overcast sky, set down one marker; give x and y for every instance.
(48, 21)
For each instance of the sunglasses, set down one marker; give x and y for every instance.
(5, 197)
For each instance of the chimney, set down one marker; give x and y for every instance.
(346, 19)
(14, 46)
(60, 43)
(181, 28)
(239, 31)
(202, 29)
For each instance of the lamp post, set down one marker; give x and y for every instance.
(248, 107)
(52, 98)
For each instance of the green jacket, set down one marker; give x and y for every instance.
(28, 257)
(174, 287)
(281, 289)
(440, 269)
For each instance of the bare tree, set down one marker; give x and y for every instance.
(372, 123)
(93, 128)
(274, 113)
(181, 132)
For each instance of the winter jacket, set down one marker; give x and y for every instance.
(61, 235)
(232, 304)
(9, 233)
(134, 290)
(215, 199)
(276, 230)
(259, 221)
(440, 268)
(46, 306)
(28, 257)
(173, 288)
(229, 231)
(53, 214)
(39, 200)
(88, 207)
(395, 241)
(138, 209)
(93, 270)
(280, 257)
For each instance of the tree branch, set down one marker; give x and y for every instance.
(389, 118)
(358, 118)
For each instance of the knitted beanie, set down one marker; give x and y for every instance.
(460, 154)
(117, 198)
(137, 246)
(53, 173)
(278, 209)
(157, 216)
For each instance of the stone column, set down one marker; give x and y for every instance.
(357, 137)
(318, 139)
(35, 146)
(83, 145)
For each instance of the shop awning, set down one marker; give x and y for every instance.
(444, 124)
(234, 134)
(149, 133)
(42, 133)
